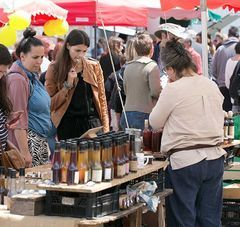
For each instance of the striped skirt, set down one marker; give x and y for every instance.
(38, 148)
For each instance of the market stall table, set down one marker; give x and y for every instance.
(134, 213)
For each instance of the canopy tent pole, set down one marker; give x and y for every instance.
(114, 71)
(204, 19)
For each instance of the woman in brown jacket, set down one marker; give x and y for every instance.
(76, 86)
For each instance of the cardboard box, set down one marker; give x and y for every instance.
(231, 191)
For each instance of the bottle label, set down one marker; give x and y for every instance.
(231, 132)
(64, 174)
(89, 175)
(86, 175)
(108, 174)
(133, 166)
(127, 167)
(225, 131)
(76, 177)
(120, 170)
(97, 175)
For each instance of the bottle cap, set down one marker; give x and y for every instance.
(63, 144)
(9, 171)
(97, 145)
(2, 170)
(132, 137)
(83, 146)
(105, 143)
(90, 144)
(21, 172)
(13, 173)
(230, 114)
(73, 146)
(57, 146)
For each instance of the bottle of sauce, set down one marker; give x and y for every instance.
(83, 162)
(72, 172)
(65, 153)
(147, 137)
(226, 128)
(231, 127)
(90, 158)
(119, 167)
(156, 140)
(21, 182)
(56, 167)
(106, 162)
(2, 184)
(97, 171)
(126, 153)
(133, 167)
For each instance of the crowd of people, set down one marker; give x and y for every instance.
(75, 93)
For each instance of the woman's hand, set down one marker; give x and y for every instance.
(28, 160)
(72, 74)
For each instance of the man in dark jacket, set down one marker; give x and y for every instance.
(223, 53)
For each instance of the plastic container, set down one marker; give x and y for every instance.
(82, 205)
(231, 213)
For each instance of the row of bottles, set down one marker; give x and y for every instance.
(228, 127)
(9, 186)
(151, 138)
(96, 160)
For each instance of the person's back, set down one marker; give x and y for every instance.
(196, 116)
(223, 53)
(142, 85)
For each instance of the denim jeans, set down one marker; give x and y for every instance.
(197, 194)
(135, 120)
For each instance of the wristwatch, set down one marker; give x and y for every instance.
(67, 85)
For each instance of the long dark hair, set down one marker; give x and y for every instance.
(174, 55)
(5, 59)
(63, 62)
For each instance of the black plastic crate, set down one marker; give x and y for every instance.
(229, 160)
(231, 212)
(87, 205)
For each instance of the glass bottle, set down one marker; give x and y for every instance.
(138, 140)
(56, 167)
(126, 153)
(226, 128)
(156, 140)
(12, 190)
(133, 167)
(119, 167)
(2, 184)
(110, 158)
(8, 180)
(90, 159)
(97, 171)
(65, 153)
(72, 172)
(147, 137)
(231, 127)
(106, 162)
(83, 162)
(21, 181)
(122, 154)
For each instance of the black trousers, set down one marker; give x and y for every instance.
(227, 105)
(75, 126)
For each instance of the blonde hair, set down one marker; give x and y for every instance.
(115, 44)
(130, 50)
